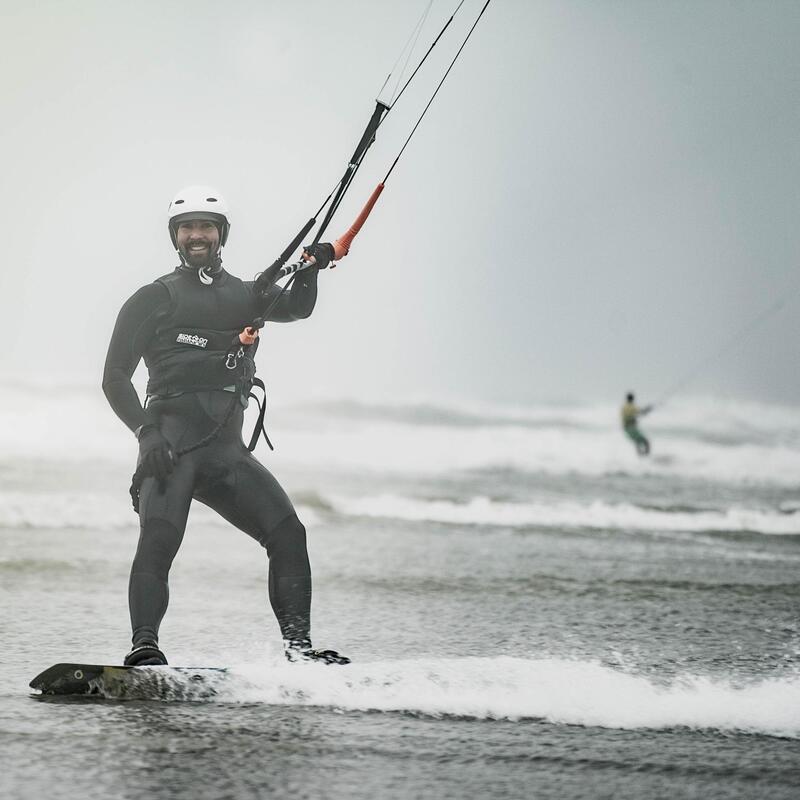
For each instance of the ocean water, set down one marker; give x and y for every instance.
(532, 610)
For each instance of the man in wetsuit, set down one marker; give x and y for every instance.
(193, 327)
(630, 423)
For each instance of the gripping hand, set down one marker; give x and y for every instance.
(322, 253)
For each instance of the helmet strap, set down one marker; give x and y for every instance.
(205, 274)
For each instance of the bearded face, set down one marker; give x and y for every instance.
(198, 242)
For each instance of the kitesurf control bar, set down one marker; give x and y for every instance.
(367, 138)
(341, 246)
(276, 269)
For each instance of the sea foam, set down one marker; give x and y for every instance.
(555, 690)
(89, 510)
(721, 441)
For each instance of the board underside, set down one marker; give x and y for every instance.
(130, 683)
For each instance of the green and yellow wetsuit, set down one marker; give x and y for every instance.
(630, 418)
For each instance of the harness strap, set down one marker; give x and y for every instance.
(262, 409)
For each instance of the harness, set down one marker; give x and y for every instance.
(182, 357)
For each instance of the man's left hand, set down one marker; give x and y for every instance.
(322, 252)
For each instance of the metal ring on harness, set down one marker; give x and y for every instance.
(232, 360)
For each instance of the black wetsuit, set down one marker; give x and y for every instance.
(222, 474)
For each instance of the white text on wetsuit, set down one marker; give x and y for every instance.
(188, 338)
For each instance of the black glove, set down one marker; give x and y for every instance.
(155, 454)
(323, 253)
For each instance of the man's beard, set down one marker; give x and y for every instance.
(208, 259)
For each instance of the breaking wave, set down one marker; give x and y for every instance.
(61, 510)
(597, 514)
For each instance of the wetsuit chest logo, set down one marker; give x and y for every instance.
(188, 338)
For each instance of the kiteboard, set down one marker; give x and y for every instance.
(130, 683)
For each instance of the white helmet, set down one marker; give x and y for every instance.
(199, 202)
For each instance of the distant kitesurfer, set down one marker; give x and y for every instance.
(630, 419)
(197, 330)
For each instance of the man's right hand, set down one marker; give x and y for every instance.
(155, 453)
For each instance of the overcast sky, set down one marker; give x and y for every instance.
(602, 194)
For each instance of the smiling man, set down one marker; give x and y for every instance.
(194, 329)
